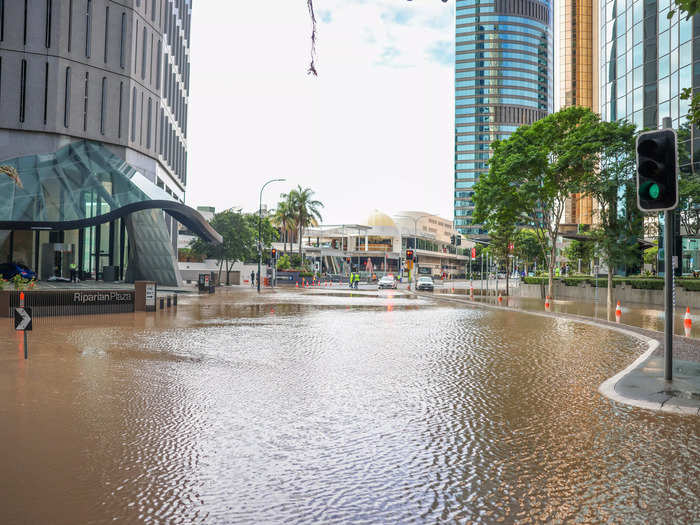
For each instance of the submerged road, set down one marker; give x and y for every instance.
(332, 407)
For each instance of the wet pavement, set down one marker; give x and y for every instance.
(374, 407)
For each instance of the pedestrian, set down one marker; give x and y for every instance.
(73, 273)
(252, 279)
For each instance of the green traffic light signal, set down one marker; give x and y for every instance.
(657, 165)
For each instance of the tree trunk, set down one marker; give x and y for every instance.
(507, 279)
(301, 255)
(221, 262)
(610, 285)
(550, 288)
(228, 272)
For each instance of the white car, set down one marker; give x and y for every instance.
(387, 281)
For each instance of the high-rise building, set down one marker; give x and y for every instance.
(93, 121)
(646, 60)
(578, 81)
(503, 79)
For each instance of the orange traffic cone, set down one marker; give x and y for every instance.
(547, 305)
(687, 322)
(618, 312)
(297, 284)
(500, 299)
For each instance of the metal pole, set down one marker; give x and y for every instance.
(25, 344)
(668, 284)
(668, 295)
(260, 227)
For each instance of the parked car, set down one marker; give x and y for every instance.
(9, 270)
(425, 283)
(387, 281)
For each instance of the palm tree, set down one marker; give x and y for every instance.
(306, 210)
(284, 216)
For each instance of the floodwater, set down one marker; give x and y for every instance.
(649, 317)
(370, 408)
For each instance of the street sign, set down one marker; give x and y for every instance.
(23, 319)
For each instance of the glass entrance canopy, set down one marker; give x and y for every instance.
(80, 185)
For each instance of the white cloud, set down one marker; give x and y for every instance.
(373, 130)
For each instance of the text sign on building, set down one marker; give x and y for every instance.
(151, 295)
(102, 297)
(23, 319)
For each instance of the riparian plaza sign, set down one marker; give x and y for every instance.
(106, 297)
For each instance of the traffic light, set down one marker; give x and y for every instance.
(657, 170)
(274, 254)
(452, 240)
(409, 255)
(459, 240)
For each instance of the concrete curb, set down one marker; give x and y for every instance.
(607, 388)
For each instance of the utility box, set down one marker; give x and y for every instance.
(145, 296)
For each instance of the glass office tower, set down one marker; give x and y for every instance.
(503, 79)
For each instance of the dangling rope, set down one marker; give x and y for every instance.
(312, 67)
(12, 173)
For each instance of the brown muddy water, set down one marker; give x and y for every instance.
(371, 408)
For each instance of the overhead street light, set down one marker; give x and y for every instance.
(260, 226)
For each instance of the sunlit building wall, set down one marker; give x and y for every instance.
(503, 79)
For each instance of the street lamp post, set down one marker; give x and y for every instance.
(260, 227)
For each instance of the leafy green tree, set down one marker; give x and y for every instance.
(283, 263)
(619, 221)
(535, 170)
(529, 250)
(239, 232)
(651, 256)
(580, 250)
(688, 185)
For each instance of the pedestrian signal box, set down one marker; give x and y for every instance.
(657, 170)
(409, 255)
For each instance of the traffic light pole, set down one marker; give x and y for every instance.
(668, 295)
(668, 285)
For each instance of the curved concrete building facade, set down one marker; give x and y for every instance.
(503, 79)
(104, 71)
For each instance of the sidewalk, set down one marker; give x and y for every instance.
(642, 383)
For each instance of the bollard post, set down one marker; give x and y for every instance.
(162, 303)
(170, 302)
(175, 300)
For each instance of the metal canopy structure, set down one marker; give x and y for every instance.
(83, 184)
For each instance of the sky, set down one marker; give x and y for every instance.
(374, 130)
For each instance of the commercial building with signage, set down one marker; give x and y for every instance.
(93, 137)
(378, 245)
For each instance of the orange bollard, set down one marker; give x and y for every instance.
(687, 322)
(618, 312)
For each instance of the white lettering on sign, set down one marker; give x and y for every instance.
(96, 297)
(150, 295)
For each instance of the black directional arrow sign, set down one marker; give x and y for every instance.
(23, 318)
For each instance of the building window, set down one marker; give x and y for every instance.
(46, 91)
(121, 99)
(103, 107)
(150, 67)
(141, 123)
(88, 27)
(122, 41)
(22, 91)
(136, 45)
(143, 54)
(66, 100)
(106, 32)
(133, 115)
(85, 101)
(24, 38)
(48, 23)
(158, 64)
(148, 129)
(70, 23)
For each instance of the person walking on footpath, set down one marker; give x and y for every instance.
(73, 273)
(252, 279)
